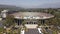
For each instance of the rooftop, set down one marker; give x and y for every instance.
(33, 15)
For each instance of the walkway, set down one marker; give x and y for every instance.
(32, 31)
(49, 31)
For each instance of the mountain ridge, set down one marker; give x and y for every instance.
(10, 7)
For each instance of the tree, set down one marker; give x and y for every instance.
(9, 20)
(23, 23)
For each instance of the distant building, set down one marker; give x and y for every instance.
(4, 13)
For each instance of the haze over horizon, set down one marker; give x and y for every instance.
(32, 3)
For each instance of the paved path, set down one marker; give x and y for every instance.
(32, 31)
(49, 31)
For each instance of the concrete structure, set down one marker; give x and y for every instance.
(32, 15)
(31, 18)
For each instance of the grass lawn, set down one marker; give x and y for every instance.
(1, 30)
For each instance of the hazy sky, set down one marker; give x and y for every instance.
(28, 3)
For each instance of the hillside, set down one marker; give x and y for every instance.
(9, 7)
